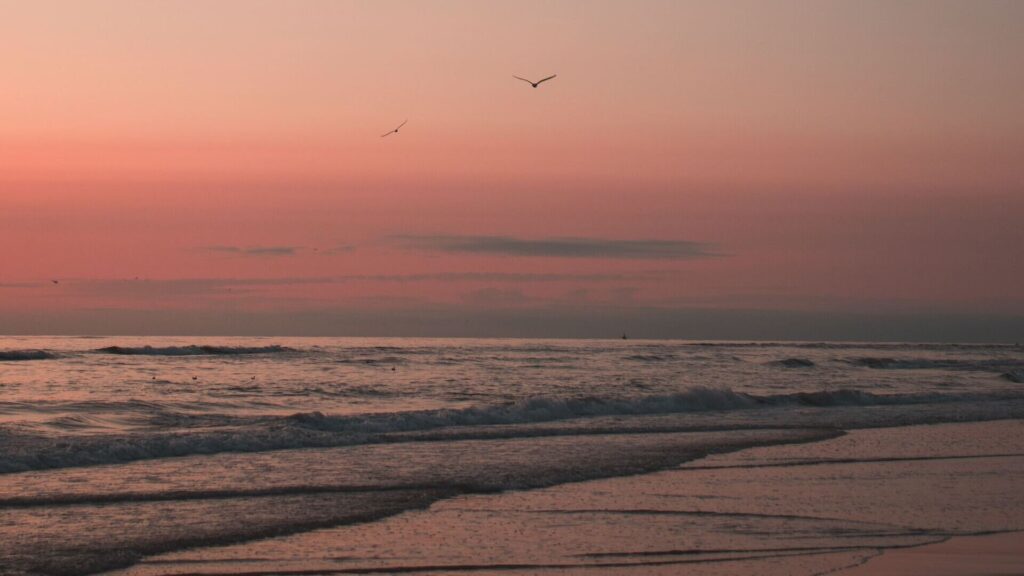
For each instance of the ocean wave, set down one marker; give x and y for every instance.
(544, 409)
(930, 346)
(525, 418)
(339, 489)
(193, 350)
(650, 357)
(1014, 376)
(794, 363)
(94, 415)
(979, 365)
(537, 409)
(18, 355)
(372, 360)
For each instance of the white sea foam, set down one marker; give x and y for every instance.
(542, 409)
(516, 419)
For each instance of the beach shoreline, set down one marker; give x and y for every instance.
(1000, 554)
(913, 493)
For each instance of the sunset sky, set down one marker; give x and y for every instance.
(787, 169)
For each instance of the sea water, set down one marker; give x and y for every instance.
(116, 449)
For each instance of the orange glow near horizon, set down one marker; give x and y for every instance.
(830, 155)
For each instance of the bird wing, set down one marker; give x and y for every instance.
(546, 79)
(523, 79)
(390, 132)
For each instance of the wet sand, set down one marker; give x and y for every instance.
(790, 509)
(991, 555)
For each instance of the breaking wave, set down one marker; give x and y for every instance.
(512, 420)
(193, 350)
(542, 409)
(794, 363)
(931, 346)
(980, 365)
(650, 357)
(17, 355)
(1016, 376)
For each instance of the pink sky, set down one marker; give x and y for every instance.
(814, 157)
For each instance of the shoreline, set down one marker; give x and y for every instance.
(716, 515)
(998, 554)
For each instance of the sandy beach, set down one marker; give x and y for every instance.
(880, 501)
(991, 555)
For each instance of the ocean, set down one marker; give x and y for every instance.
(122, 452)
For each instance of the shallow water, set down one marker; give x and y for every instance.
(778, 510)
(188, 436)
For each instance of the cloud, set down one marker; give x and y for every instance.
(496, 297)
(340, 249)
(463, 320)
(188, 288)
(625, 295)
(147, 287)
(510, 277)
(559, 247)
(252, 250)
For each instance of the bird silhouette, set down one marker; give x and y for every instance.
(395, 131)
(55, 281)
(532, 83)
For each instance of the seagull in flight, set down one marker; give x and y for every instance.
(395, 131)
(531, 82)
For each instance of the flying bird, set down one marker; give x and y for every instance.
(531, 82)
(55, 281)
(395, 131)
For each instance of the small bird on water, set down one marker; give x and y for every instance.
(395, 131)
(532, 83)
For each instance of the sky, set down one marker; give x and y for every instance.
(728, 169)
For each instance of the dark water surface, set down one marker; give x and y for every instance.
(113, 449)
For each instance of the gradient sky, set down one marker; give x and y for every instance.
(788, 169)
